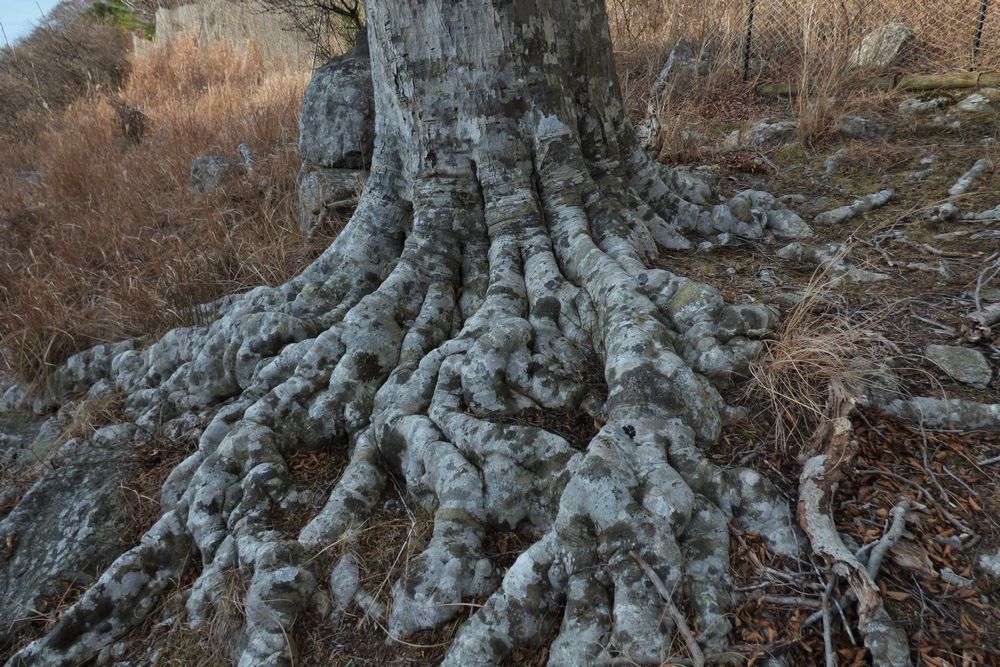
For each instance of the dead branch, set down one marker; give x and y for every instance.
(830, 451)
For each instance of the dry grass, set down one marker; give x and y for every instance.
(824, 78)
(820, 342)
(111, 243)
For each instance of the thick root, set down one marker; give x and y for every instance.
(409, 345)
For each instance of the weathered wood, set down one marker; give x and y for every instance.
(913, 82)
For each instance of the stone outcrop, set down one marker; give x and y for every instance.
(336, 135)
(883, 47)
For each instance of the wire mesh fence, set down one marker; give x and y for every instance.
(772, 39)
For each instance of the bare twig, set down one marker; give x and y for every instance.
(697, 656)
(890, 538)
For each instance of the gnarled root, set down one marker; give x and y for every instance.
(409, 345)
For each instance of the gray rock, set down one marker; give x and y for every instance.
(337, 122)
(883, 47)
(832, 162)
(961, 363)
(766, 133)
(985, 100)
(946, 122)
(85, 519)
(684, 64)
(856, 127)
(922, 105)
(29, 177)
(991, 563)
(326, 191)
(12, 398)
(208, 171)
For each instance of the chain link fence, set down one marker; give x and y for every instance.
(770, 40)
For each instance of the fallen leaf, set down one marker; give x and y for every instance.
(913, 557)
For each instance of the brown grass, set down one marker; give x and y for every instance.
(111, 243)
(820, 342)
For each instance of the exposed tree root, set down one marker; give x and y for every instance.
(416, 363)
(462, 293)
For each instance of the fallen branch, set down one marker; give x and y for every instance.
(697, 656)
(889, 540)
(829, 452)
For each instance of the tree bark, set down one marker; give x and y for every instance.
(505, 235)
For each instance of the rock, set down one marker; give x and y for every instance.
(70, 524)
(922, 105)
(336, 136)
(29, 177)
(684, 64)
(991, 563)
(326, 191)
(856, 127)
(946, 122)
(832, 162)
(961, 363)
(985, 100)
(766, 133)
(882, 47)
(946, 212)
(208, 171)
(337, 122)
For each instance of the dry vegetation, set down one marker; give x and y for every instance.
(110, 242)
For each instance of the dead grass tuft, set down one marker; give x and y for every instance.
(111, 243)
(820, 342)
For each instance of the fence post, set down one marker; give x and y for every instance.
(977, 40)
(748, 43)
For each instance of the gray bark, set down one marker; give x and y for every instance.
(505, 234)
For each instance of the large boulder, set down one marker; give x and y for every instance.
(337, 123)
(883, 47)
(336, 136)
(68, 526)
(684, 64)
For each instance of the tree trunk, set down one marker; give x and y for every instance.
(504, 238)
